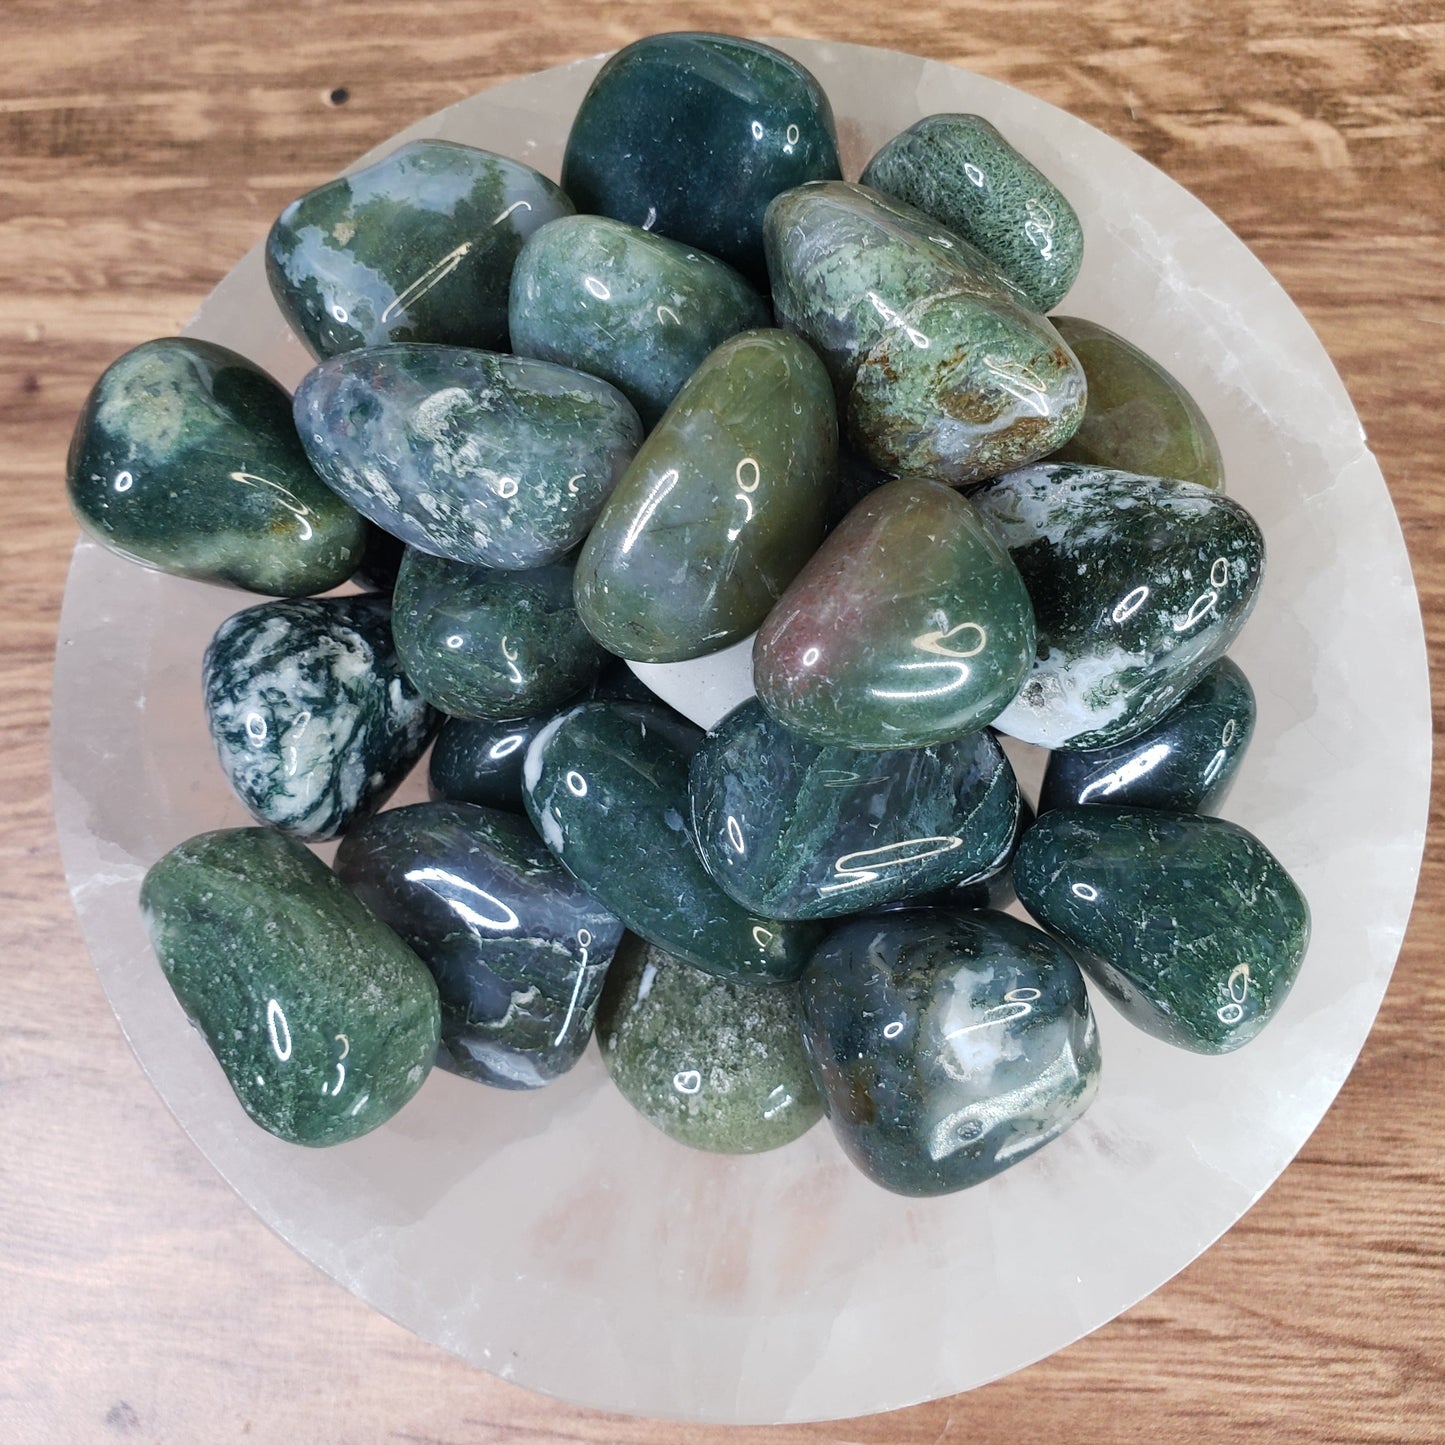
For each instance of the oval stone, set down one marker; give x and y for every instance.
(1190, 924)
(490, 459)
(908, 627)
(947, 1046)
(714, 1065)
(1139, 584)
(324, 1022)
(418, 246)
(185, 459)
(726, 500)
(313, 719)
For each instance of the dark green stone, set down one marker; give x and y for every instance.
(487, 644)
(606, 786)
(496, 460)
(723, 504)
(632, 307)
(1189, 924)
(1139, 585)
(416, 247)
(691, 135)
(313, 719)
(994, 889)
(185, 458)
(517, 949)
(323, 1020)
(380, 562)
(947, 1046)
(715, 1065)
(961, 171)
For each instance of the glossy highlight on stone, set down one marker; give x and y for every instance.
(1190, 924)
(185, 459)
(324, 1022)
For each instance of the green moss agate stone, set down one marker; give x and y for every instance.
(726, 500)
(417, 247)
(490, 459)
(961, 171)
(324, 1022)
(1138, 417)
(1189, 924)
(941, 368)
(947, 1046)
(714, 1065)
(792, 829)
(1185, 762)
(517, 949)
(632, 307)
(991, 889)
(908, 627)
(313, 719)
(691, 135)
(185, 458)
(1139, 585)
(606, 786)
(481, 643)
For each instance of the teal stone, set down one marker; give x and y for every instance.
(517, 949)
(691, 135)
(1190, 924)
(314, 722)
(632, 307)
(910, 626)
(724, 503)
(1138, 417)
(488, 459)
(1185, 762)
(185, 459)
(714, 1065)
(940, 367)
(606, 787)
(1139, 585)
(418, 246)
(792, 829)
(947, 1046)
(487, 644)
(324, 1022)
(961, 171)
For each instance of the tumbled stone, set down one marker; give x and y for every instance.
(497, 460)
(1190, 924)
(313, 719)
(995, 888)
(714, 1065)
(324, 1022)
(185, 458)
(908, 627)
(418, 246)
(947, 1046)
(1139, 584)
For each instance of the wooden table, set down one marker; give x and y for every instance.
(146, 144)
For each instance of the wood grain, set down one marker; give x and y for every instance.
(146, 145)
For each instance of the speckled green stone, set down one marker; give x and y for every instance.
(632, 307)
(324, 1022)
(185, 458)
(961, 171)
(714, 1065)
(1189, 924)
(418, 246)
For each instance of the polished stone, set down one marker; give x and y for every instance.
(185, 458)
(948, 1046)
(909, 626)
(1139, 584)
(313, 719)
(995, 888)
(324, 1022)
(497, 460)
(1190, 924)
(418, 246)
